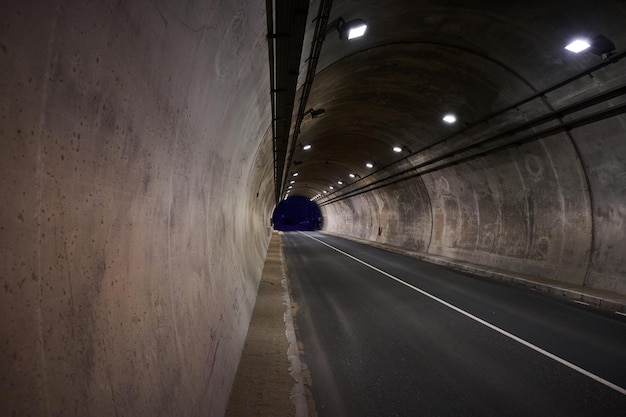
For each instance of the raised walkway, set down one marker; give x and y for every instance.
(269, 380)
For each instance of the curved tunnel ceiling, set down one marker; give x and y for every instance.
(421, 60)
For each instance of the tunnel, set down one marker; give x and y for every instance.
(146, 145)
(297, 213)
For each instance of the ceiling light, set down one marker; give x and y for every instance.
(397, 149)
(352, 29)
(290, 187)
(306, 147)
(578, 45)
(316, 113)
(600, 45)
(292, 182)
(449, 118)
(340, 182)
(325, 192)
(369, 165)
(295, 174)
(352, 175)
(331, 187)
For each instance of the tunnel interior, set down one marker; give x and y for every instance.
(297, 213)
(145, 146)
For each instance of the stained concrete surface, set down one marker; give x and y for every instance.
(134, 208)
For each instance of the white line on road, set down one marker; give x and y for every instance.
(483, 322)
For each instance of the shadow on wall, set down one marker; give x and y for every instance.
(297, 213)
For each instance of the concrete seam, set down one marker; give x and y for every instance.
(297, 393)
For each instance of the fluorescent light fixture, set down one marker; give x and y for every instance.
(352, 29)
(357, 31)
(295, 174)
(290, 187)
(331, 187)
(292, 182)
(369, 165)
(352, 175)
(340, 182)
(397, 149)
(449, 118)
(325, 192)
(306, 147)
(578, 45)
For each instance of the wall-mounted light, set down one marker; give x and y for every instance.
(578, 45)
(397, 149)
(292, 182)
(600, 46)
(306, 147)
(295, 174)
(331, 187)
(449, 118)
(352, 29)
(316, 113)
(369, 165)
(340, 182)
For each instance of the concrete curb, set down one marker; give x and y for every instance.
(297, 394)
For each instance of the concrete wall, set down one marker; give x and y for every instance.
(554, 208)
(136, 196)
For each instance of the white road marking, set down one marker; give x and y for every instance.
(581, 302)
(483, 322)
(620, 313)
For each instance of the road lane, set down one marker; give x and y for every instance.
(375, 347)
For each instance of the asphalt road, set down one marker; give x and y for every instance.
(444, 343)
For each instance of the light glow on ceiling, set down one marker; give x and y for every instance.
(295, 174)
(292, 182)
(369, 165)
(578, 45)
(352, 175)
(449, 118)
(397, 149)
(331, 187)
(340, 182)
(306, 147)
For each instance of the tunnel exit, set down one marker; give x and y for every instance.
(297, 213)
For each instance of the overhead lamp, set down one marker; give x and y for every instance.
(351, 175)
(449, 118)
(352, 29)
(578, 45)
(369, 165)
(292, 182)
(397, 149)
(295, 174)
(306, 147)
(331, 187)
(600, 46)
(325, 192)
(316, 113)
(340, 182)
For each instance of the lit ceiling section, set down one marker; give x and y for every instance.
(404, 91)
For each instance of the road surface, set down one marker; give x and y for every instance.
(388, 335)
